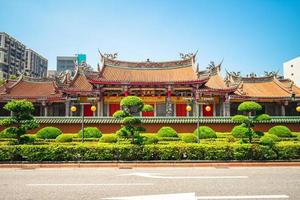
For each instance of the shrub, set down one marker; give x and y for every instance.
(269, 139)
(27, 139)
(280, 131)
(205, 132)
(108, 139)
(64, 138)
(90, 132)
(150, 139)
(182, 151)
(48, 133)
(167, 131)
(239, 131)
(189, 138)
(8, 133)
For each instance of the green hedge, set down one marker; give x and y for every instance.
(64, 138)
(8, 133)
(167, 131)
(48, 133)
(205, 132)
(90, 132)
(181, 151)
(280, 131)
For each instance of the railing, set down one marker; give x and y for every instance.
(158, 120)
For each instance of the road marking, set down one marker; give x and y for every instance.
(179, 196)
(192, 196)
(246, 197)
(89, 184)
(159, 176)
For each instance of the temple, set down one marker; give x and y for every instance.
(167, 86)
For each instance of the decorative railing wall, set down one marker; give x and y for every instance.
(158, 120)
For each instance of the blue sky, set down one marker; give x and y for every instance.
(251, 35)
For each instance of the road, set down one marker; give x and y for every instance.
(141, 183)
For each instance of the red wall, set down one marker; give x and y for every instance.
(152, 128)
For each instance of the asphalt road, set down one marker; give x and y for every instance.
(164, 183)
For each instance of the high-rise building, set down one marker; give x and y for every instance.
(36, 65)
(291, 70)
(65, 63)
(12, 55)
(81, 58)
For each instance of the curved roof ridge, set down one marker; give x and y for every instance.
(276, 81)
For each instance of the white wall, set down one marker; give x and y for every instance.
(291, 70)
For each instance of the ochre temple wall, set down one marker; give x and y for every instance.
(152, 128)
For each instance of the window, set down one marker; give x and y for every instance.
(292, 74)
(292, 65)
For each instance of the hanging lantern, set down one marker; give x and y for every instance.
(93, 108)
(73, 108)
(208, 108)
(188, 108)
(298, 109)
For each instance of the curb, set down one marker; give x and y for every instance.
(130, 165)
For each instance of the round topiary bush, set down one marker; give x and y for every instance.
(167, 131)
(48, 133)
(239, 131)
(90, 132)
(108, 139)
(64, 138)
(150, 139)
(8, 133)
(280, 131)
(205, 132)
(269, 139)
(189, 138)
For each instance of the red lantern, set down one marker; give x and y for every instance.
(208, 108)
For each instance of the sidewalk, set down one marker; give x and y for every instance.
(148, 164)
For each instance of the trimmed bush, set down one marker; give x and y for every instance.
(167, 131)
(280, 131)
(189, 138)
(8, 133)
(48, 133)
(205, 132)
(269, 139)
(239, 131)
(108, 139)
(182, 151)
(90, 132)
(64, 138)
(150, 139)
(27, 139)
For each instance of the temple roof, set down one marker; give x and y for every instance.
(170, 71)
(79, 83)
(30, 88)
(268, 87)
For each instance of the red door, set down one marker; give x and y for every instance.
(209, 113)
(87, 110)
(181, 110)
(113, 107)
(149, 114)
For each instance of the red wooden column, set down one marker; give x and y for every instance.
(126, 92)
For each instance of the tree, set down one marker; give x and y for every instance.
(21, 119)
(131, 106)
(250, 108)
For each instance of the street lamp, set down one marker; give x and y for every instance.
(74, 109)
(189, 108)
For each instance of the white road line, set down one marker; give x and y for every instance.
(177, 196)
(89, 184)
(245, 197)
(158, 176)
